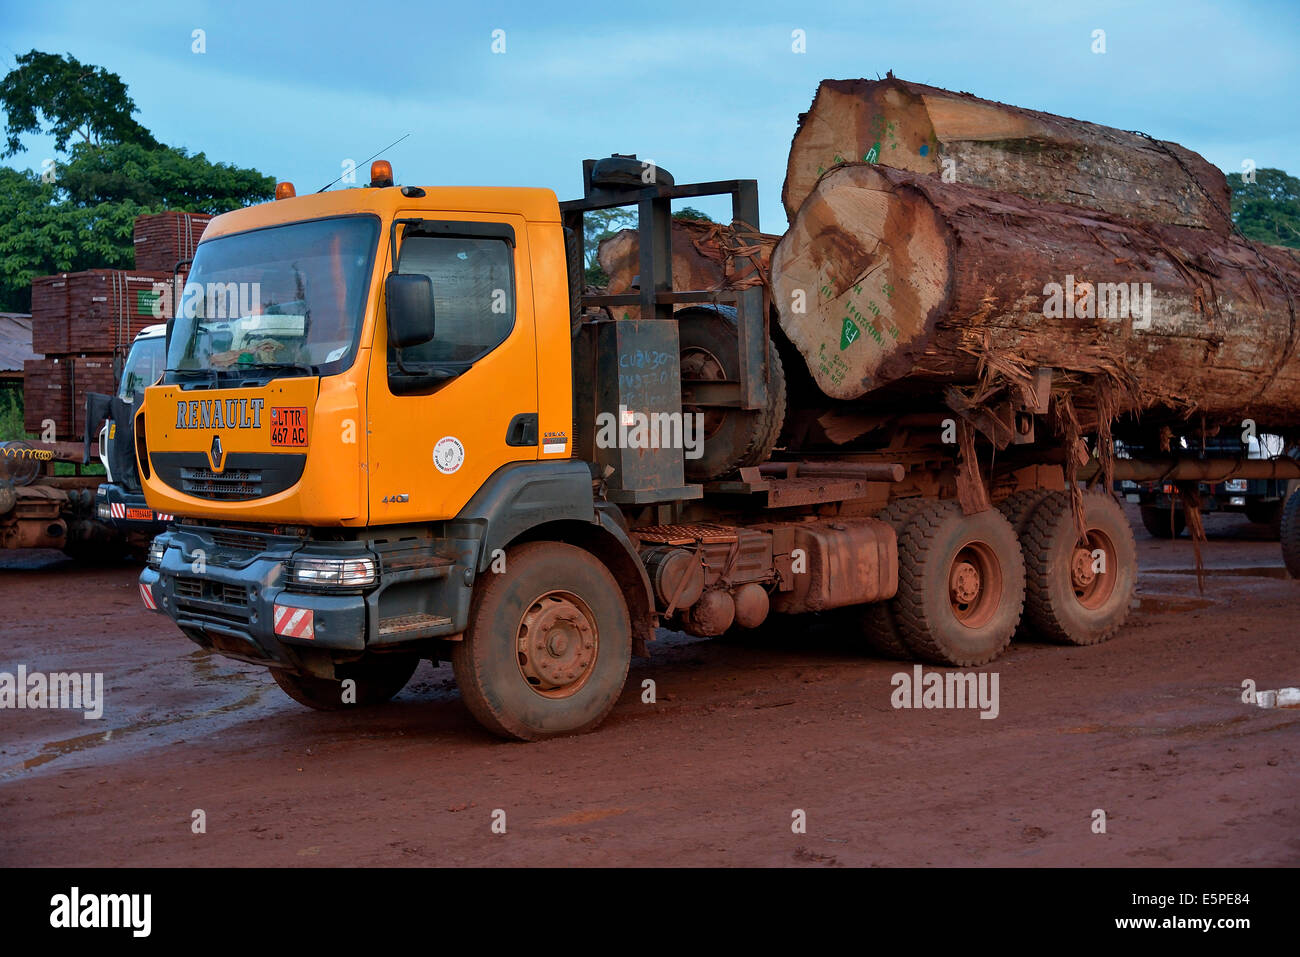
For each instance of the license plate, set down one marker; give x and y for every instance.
(1235, 485)
(289, 426)
(140, 514)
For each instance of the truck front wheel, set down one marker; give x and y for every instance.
(548, 644)
(1079, 590)
(375, 679)
(961, 585)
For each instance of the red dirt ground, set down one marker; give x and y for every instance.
(1149, 727)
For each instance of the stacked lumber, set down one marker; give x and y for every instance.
(83, 321)
(1060, 245)
(46, 395)
(164, 239)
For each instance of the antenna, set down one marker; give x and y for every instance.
(363, 162)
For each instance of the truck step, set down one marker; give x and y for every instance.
(402, 624)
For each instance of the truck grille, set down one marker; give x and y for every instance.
(231, 484)
(212, 599)
(238, 541)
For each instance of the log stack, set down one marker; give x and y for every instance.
(164, 239)
(1045, 243)
(81, 321)
(706, 256)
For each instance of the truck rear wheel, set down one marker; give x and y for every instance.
(733, 438)
(1163, 522)
(961, 585)
(1289, 533)
(877, 619)
(548, 645)
(377, 678)
(1078, 591)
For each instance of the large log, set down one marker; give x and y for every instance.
(702, 258)
(1036, 155)
(895, 279)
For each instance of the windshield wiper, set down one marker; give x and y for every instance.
(213, 376)
(295, 366)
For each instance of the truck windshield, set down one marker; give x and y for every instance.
(281, 300)
(143, 366)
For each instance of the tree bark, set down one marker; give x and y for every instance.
(898, 281)
(976, 142)
(700, 261)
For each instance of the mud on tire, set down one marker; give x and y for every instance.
(876, 620)
(961, 585)
(377, 677)
(1068, 599)
(548, 645)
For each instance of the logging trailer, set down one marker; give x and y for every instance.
(426, 440)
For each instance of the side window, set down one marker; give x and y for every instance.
(473, 295)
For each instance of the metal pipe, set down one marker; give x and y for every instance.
(1176, 469)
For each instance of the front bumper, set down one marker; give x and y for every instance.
(128, 512)
(229, 592)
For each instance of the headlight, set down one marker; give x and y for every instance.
(156, 549)
(332, 572)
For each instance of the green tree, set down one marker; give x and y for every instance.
(1267, 210)
(690, 212)
(45, 92)
(83, 215)
(159, 178)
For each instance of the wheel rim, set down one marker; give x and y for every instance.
(557, 644)
(1092, 589)
(697, 363)
(974, 584)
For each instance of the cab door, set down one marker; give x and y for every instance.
(445, 415)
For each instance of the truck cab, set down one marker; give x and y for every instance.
(120, 502)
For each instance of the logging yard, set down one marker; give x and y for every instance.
(956, 519)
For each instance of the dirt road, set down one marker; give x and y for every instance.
(1149, 728)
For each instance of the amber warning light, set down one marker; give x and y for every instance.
(381, 173)
(284, 190)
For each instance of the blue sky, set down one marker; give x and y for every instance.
(708, 91)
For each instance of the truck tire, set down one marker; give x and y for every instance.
(961, 585)
(1163, 522)
(733, 438)
(876, 620)
(1289, 533)
(377, 677)
(1019, 506)
(548, 645)
(1068, 599)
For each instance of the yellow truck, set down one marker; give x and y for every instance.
(394, 427)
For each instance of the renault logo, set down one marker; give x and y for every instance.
(216, 453)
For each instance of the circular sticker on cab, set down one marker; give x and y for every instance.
(448, 454)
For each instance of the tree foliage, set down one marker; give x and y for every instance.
(1267, 210)
(46, 92)
(80, 213)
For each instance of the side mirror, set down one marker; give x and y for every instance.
(410, 309)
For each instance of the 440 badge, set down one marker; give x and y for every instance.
(448, 454)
